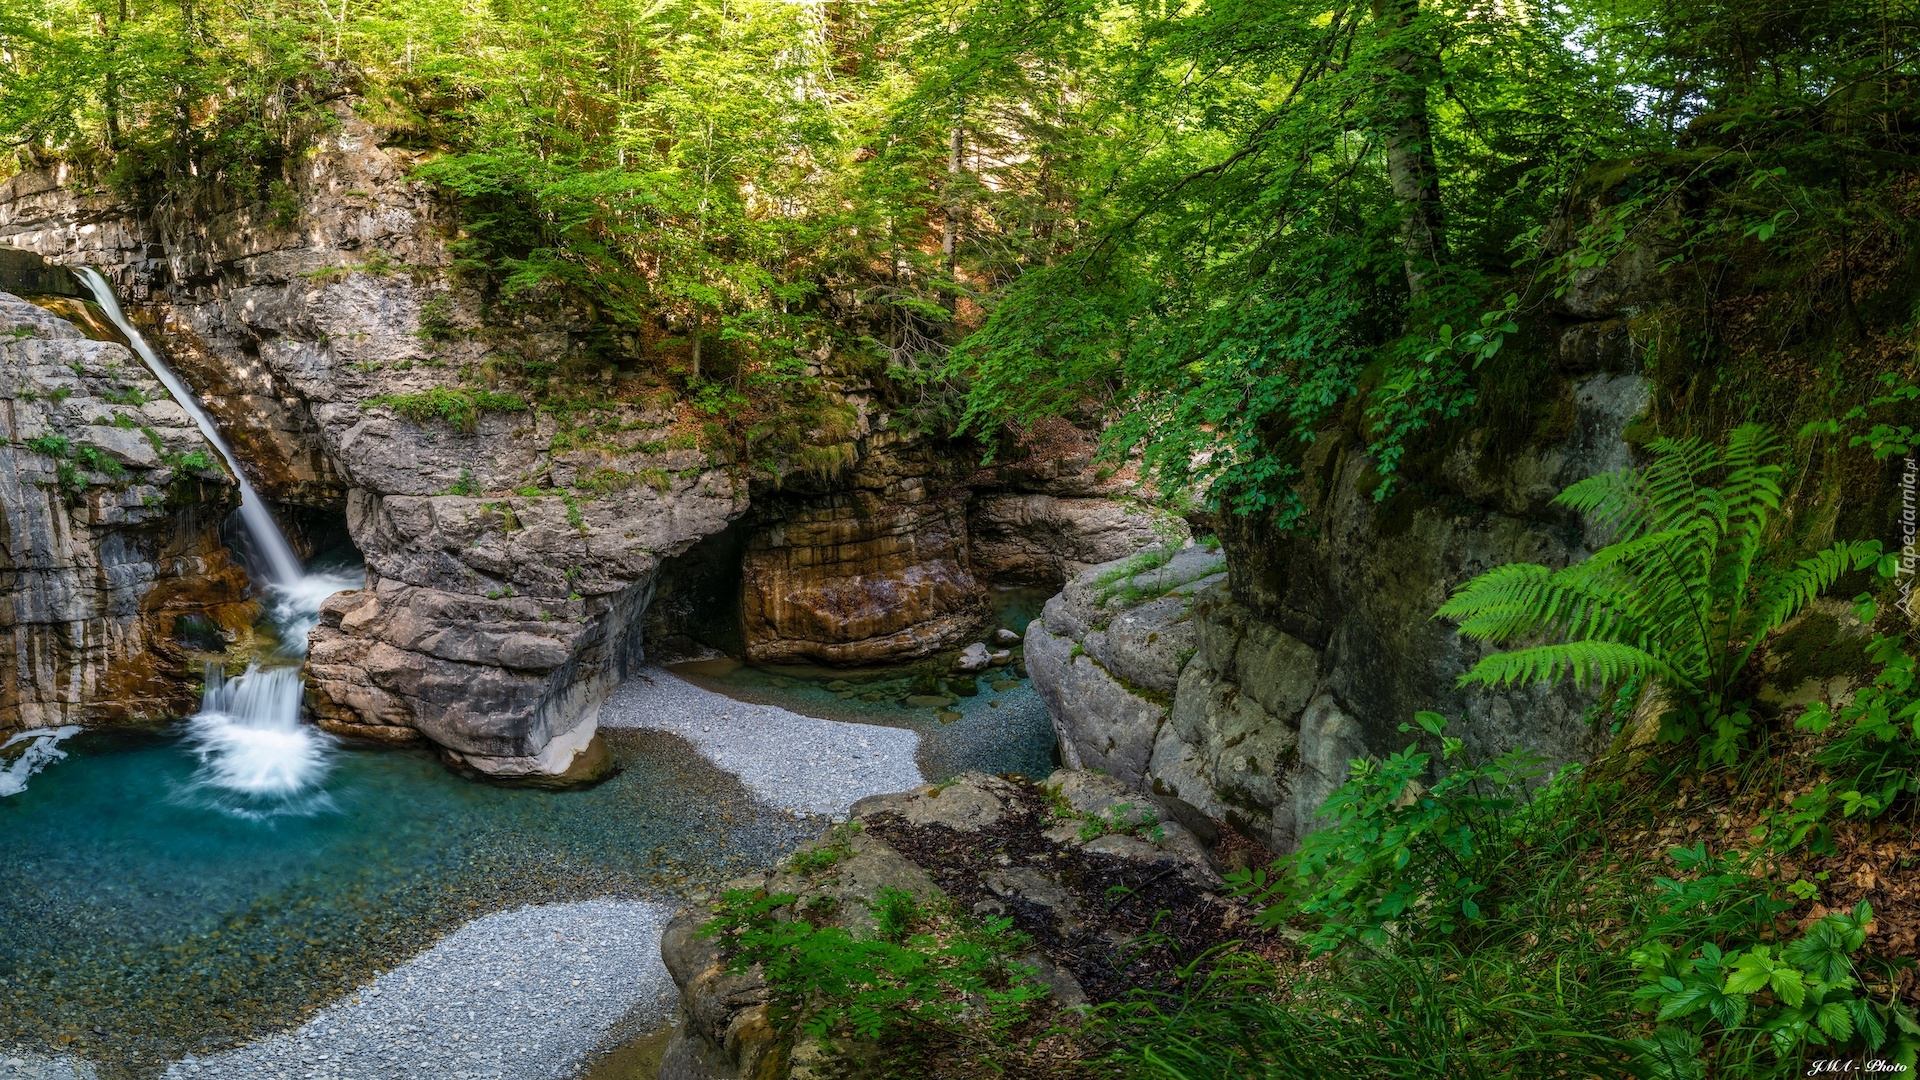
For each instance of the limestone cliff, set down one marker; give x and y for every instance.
(512, 549)
(1245, 693)
(110, 510)
(505, 565)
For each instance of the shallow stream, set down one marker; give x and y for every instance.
(1002, 727)
(147, 915)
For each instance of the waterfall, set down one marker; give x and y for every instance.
(282, 566)
(256, 756)
(249, 736)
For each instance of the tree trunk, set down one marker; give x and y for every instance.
(110, 93)
(1411, 169)
(950, 233)
(694, 376)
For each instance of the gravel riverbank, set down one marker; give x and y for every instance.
(790, 761)
(521, 994)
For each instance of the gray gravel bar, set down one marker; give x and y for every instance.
(523, 994)
(791, 761)
(24, 1066)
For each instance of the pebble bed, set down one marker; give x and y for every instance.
(790, 761)
(35, 1067)
(521, 994)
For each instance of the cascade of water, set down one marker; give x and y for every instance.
(42, 748)
(249, 735)
(256, 755)
(282, 566)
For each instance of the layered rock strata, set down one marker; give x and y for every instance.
(877, 571)
(111, 502)
(1052, 509)
(1247, 693)
(509, 553)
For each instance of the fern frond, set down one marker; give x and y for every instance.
(1586, 663)
(1613, 500)
(1784, 595)
(1523, 600)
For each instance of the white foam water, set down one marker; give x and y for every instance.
(42, 750)
(282, 565)
(256, 755)
(294, 606)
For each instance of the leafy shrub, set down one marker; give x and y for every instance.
(192, 461)
(465, 485)
(94, 459)
(1123, 819)
(604, 481)
(51, 445)
(436, 318)
(1872, 753)
(827, 855)
(1682, 597)
(460, 409)
(128, 395)
(1811, 996)
(826, 981)
(1400, 859)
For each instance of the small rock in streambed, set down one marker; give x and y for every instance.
(927, 701)
(1001, 658)
(1005, 636)
(972, 658)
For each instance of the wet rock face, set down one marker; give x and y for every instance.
(110, 509)
(874, 574)
(1246, 694)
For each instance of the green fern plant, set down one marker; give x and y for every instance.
(1679, 600)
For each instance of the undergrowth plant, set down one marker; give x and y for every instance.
(1870, 753)
(1763, 1002)
(922, 969)
(1686, 592)
(1400, 859)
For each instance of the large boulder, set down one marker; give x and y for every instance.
(1107, 652)
(1080, 865)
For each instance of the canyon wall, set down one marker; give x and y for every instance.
(512, 550)
(1242, 680)
(112, 573)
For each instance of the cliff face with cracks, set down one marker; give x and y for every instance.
(110, 509)
(499, 598)
(512, 552)
(1242, 682)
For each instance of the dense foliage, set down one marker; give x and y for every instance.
(1233, 228)
(1239, 224)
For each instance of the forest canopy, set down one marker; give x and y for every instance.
(1229, 225)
